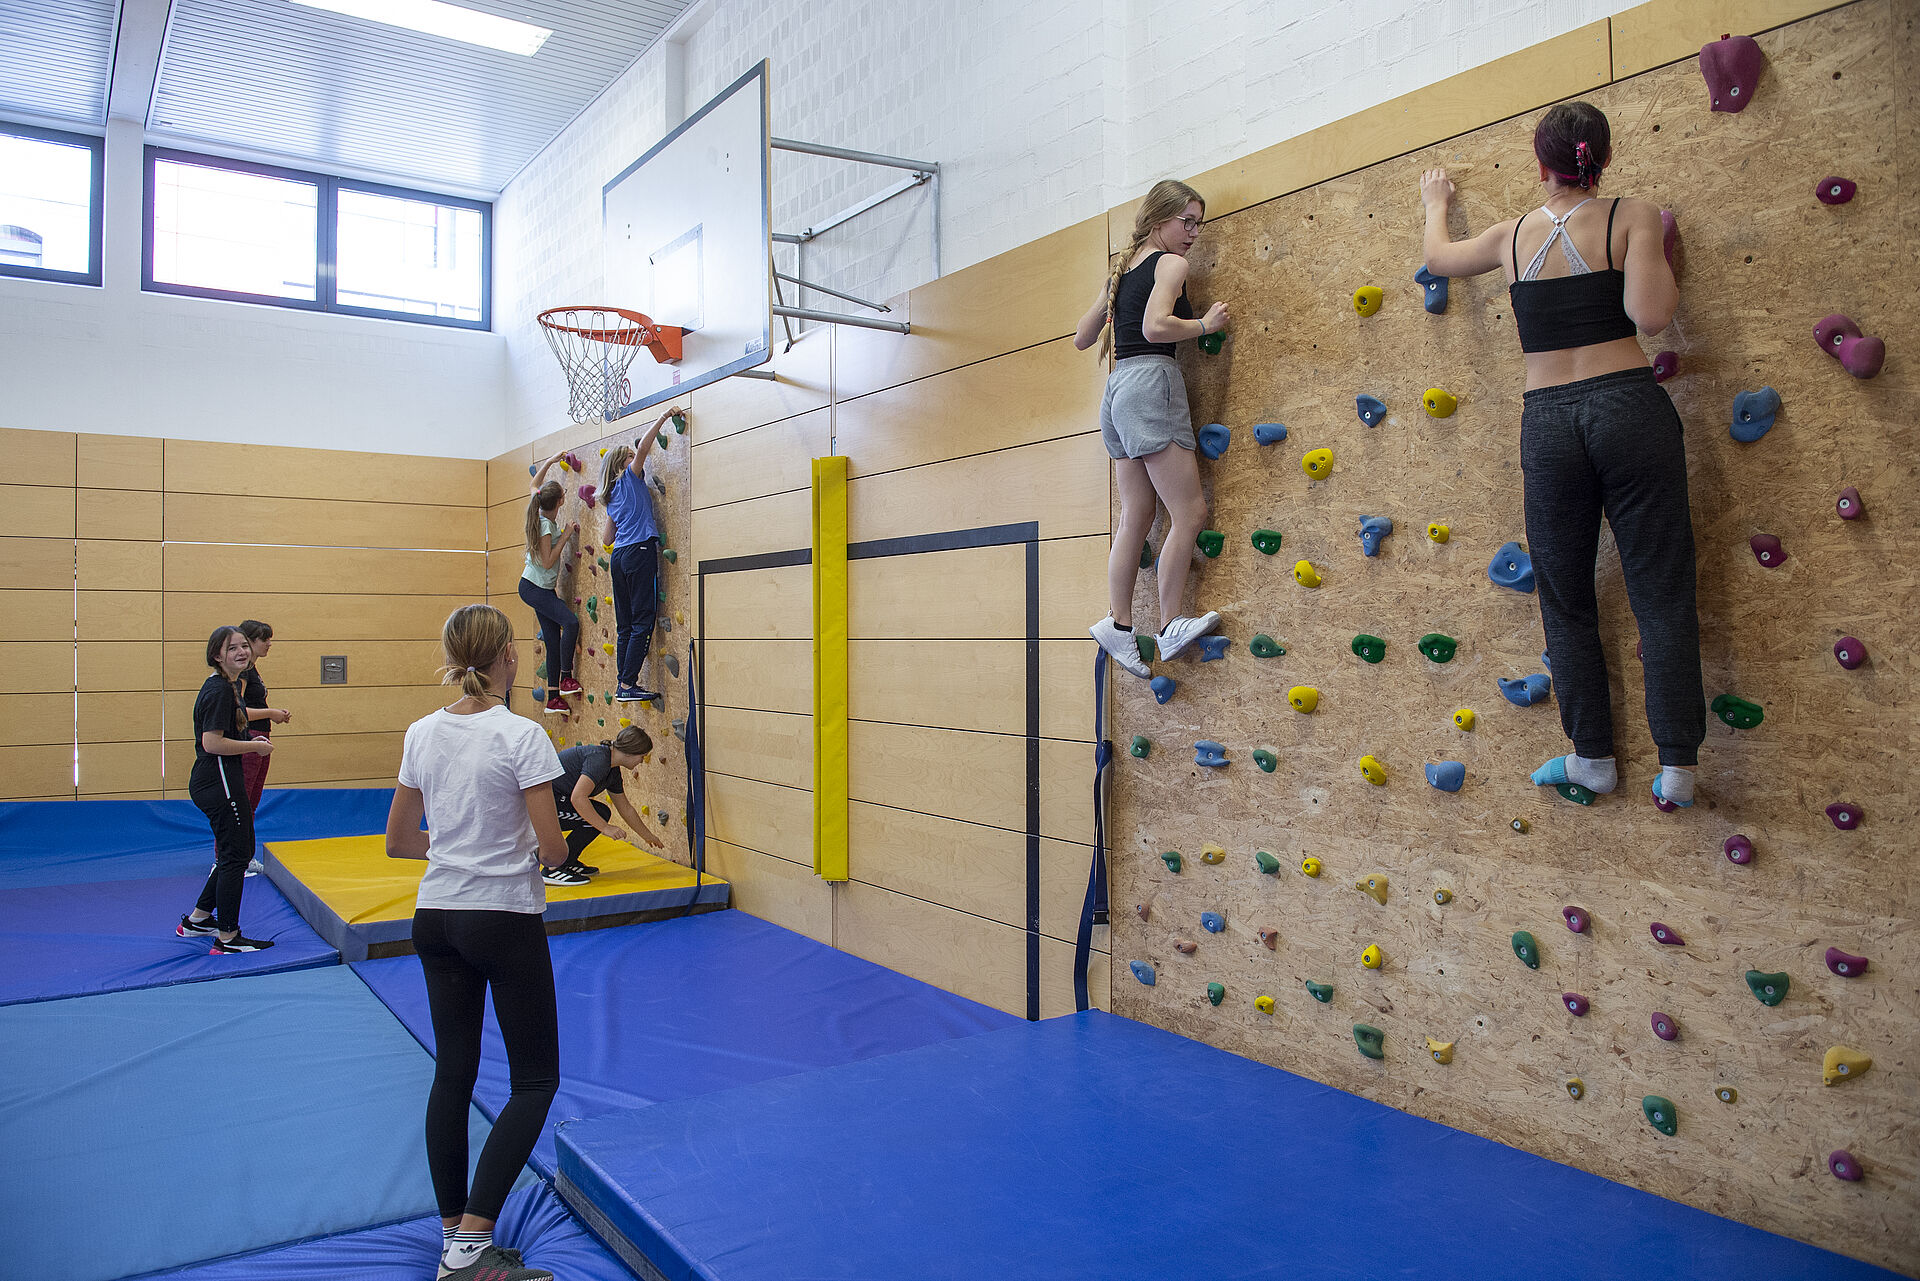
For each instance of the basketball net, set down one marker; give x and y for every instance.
(594, 345)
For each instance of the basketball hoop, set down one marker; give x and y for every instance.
(595, 345)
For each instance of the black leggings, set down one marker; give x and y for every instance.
(223, 799)
(559, 629)
(1612, 445)
(463, 954)
(636, 601)
(579, 832)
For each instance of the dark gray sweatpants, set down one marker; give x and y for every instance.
(1612, 445)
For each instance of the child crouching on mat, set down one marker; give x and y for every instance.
(220, 739)
(589, 771)
(260, 718)
(547, 543)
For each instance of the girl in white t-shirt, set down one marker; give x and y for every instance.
(481, 777)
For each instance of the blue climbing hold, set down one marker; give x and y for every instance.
(1144, 972)
(1269, 433)
(1753, 413)
(1544, 661)
(1214, 439)
(1528, 690)
(1435, 297)
(1372, 530)
(1446, 775)
(1212, 647)
(1162, 687)
(1511, 567)
(1371, 410)
(1209, 753)
(1213, 921)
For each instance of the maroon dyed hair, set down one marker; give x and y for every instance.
(1574, 141)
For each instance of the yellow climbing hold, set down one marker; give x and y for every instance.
(1310, 866)
(1318, 463)
(603, 453)
(1437, 532)
(1264, 1004)
(608, 646)
(1367, 299)
(1576, 1088)
(609, 600)
(1842, 1064)
(1374, 887)
(1442, 1051)
(1373, 771)
(1211, 853)
(1305, 574)
(1521, 826)
(1371, 958)
(1440, 402)
(1304, 698)
(1464, 718)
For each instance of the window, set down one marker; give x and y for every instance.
(256, 233)
(50, 221)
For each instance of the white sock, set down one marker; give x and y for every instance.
(1676, 784)
(465, 1247)
(1596, 774)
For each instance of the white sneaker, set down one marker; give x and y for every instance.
(1182, 632)
(1120, 646)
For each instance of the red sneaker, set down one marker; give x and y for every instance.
(557, 706)
(569, 687)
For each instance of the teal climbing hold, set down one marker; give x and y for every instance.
(1768, 989)
(1265, 646)
(1216, 992)
(673, 557)
(1146, 556)
(1439, 646)
(1321, 992)
(1737, 711)
(1660, 1113)
(1143, 643)
(1266, 862)
(1144, 972)
(541, 669)
(1140, 746)
(1210, 542)
(1172, 859)
(1575, 793)
(1371, 648)
(589, 698)
(1526, 949)
(1266, 541)
(679, 423)
(1265, 759)
(1370, 1040)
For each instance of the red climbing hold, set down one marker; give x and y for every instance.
(1665, 366)
(1849, 505)
(1731, 66)
(1767, 550)
(587, 493)
(1840, 338)
(1833, 191)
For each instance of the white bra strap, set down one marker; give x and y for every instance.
(1575, 264)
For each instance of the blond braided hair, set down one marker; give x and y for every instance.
(1167, 198)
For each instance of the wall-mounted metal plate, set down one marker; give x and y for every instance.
(333, 669)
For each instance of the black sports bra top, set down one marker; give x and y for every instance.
(1579, 310)
(1130, 309)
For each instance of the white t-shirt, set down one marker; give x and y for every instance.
(483, 854)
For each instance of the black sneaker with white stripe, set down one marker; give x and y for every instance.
(496, 1264)
(237, 944)
(192, 929)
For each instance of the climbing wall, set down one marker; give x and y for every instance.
(1470, 1032)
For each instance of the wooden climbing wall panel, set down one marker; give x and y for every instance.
(1761, 262)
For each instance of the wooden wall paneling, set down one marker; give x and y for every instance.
(976, 592)
(767, 676)
(42, 511)
(331, 710)
(1064, 866)
(507, 475)
(771, 746)
(122, 565)
(766, 817)
(118, 514)
(30, 720)
(966, 866)
(119, 462)
(121, 717)
(37, 772)
(38, 457)
(122, 616)
(980, 959)
(330, 522)
(338, 783)
(763, 604)
(773, 889)
(281, 471)
(126, 765)
(1061, 483)
(1066, 789)
(300, 616)
(981, 778)
(190, 567)
(803, 383)
(294, 663)
(1650, 35)
(38, 614)
(770, 459)
(35, 667)
(1056, 979)
(44, 564)
(315, 758)
(776, 523)
(108, 666)
(975, 685)
(1066, 689)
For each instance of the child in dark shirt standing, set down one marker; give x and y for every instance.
(260, 718)
(220, 739)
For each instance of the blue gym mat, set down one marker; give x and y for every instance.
(156, 1128)
(701, 1003)
(1090, 1146)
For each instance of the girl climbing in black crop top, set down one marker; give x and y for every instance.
(1598, 437)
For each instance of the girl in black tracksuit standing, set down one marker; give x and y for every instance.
(220, 739)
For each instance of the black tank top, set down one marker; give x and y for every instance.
(1570, 311)
(1130, 308)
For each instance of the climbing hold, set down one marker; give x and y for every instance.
(1140, 746)
(1264, 1004)
(589, 698)
(1213, 922)
(1143, 643)
(1833, 191)
(1367, 299)
(1211, 853)
(673, 557)
(1526, 948)
(1371, 409)
(1664, 1027)
(1669, 231)
(1372, 530)
(1321, 992)
(1212, 647)
(603, 562)
(1511, 567)
(1317, 463)
(1576, 918)
(1665, 366)
(1172, 859)
(1438, 533)
(1439, 402)
(532, 470)
(1146, 556)
(1850, 652)
(1269, 433)
(1575, 793)
(662, 438)
(1266, 541)
(1842, 1164)
(1767, 550)
(608, 647)
(658, 483)
(1526, 691)
(1142, 911)
(1210, 542)
(679, 422)
(1840, 338)
(1374, 887)
(1726, 1094)
(1305, 574)
(1214, 439)
(587, 494)
(1576, 1088)
(539, 694)
(1753, 414)
(1266, 862)
(1738, 849)
(1265, 646)
(1849, 505)
(1660, 1113)
(1737, 712)
(1663, 933)
(1269, 939)
(1464, 719)
(593, 608)
(1162, 687)
(1310, 866)
(1186, 947)
(1264, 757)
(1448, 776)
(1371, 648)
(672, 664)
(1373, 771)
(1213, 342)
(1845, 815)
(1371, 958)
(1369, 1038)
(1144, 972)
(541, 670)
(625, 721)
(1443, 896)
(1434, 299)
(1576, 1004)
(1842, 1064)
(1731, 66)
(1439, 647)
(1845, 964)
(1768, 989)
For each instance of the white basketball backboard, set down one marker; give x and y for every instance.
(685, 231)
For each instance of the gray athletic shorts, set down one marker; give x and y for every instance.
(1145, 408)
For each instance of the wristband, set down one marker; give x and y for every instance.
(1203, 326)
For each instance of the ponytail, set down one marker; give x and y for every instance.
(545, 502)
(1575, 142)
(474, 638)
(1166, 199)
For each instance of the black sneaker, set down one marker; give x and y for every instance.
(562, 875)
(496, 1264)
(237, 944)
(191, 929)
(575, 865)
(641, 694)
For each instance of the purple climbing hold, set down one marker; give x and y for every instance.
(1666, 934)
(1767, 550)
(1576, 1004)
(1845, 964)
(1850, 652)
(1661, 803)
(1665, 366)
(1833, 191)
(1577, 918)
(1844, 1165)
(1162, 687)
(1738, 849)
(1845, 815)
(1849, 505)
(1664, 1027)
(587, 494)
(1669, 231)
(1859, 355)
(1731, 66)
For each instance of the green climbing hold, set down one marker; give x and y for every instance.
(1575, 793)
(663, 591)
(663, 438)
(1143, 643)
(1737, 711)
(1140, 746)
(1216, 992)
(593, 608)
(603, 562)
(1439, 646)
(1371, 648)
(1266, 541)
(601, 721)
(679, 424)
(589, 698)
(1321, 992)
(1172, 859)
(673, 557)
(1211, 542)
(1660, 1113)
(1211, 343)
(1526, 948)
(1265, 646)
(1146, 556)
(1370, 1039)
(1265, 759)
(1768, 989)
(1266, 862)
(541, 670)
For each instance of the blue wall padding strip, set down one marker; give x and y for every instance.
(67, 842)
(534, 1222)
(1091, 1146)
(113, 936)
(695, 1004)
(162, 1127)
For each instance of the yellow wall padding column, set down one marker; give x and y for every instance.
(830, 784)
